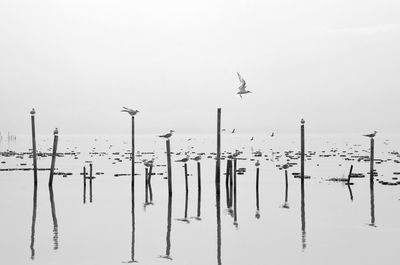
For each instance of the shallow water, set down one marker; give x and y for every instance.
(330, 228)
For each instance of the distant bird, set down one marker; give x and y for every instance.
(130, 111)
(189, 139)
(252, 138)
(167, 135)
(183, 160)
(242, 88)
(272, 134)
(197, 158)
(371, 135)
(233, 131)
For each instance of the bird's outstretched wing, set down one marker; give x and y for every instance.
(125, 109)
(242, 86)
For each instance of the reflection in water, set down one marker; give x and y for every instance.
(32, 245)
(258, 215)
(90, 183)
(227, 179)
(168, 237)
(350, 191)
(235, 222)
(286, 203)
(372, 201)
(218, 205)
(198, 192)
(303, 217)
(185, 219)
(133, 224)
(54, 216)
(84, 185)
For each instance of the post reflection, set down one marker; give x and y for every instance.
(286, 203)
(54, 216)
(168, 237)
(350, 191)
(33, 225)
(372, 201)
(218, 206)
(257, 215)
(303, 217)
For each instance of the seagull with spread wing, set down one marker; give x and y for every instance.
(242, 87)
(130, 111)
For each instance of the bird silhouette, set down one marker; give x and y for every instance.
(130, 111)
(242, 87)
(371, 135)
(167, 135)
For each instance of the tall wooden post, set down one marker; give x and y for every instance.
(169, 167)
(372, 159)
(133, 157)
(217, 175)
(198, 189)
(33, 112)
(84, 184)
(90, 182)
(53, 157)
(302, 149)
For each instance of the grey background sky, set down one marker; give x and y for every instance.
(335, 63)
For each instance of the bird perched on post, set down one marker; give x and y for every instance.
(55, 131)
(130, 111)
(371, 135)
(197, 158)
(242, 87)
(184, 160)
(167, 135)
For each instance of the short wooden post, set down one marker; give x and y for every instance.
(90, 182)
(227, 183)
(53, 157)
(187, 190)
(146, 185)
(230, 184)
(33, 112)
(149, 183)
(133, 157)
(84, 184)
(198, 189)
(257, 194)
(286, 186)
(169, 167)
(234, 192)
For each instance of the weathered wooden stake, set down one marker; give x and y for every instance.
(146, 185)
(198, 189)
(234, 193)
(169, 167)
(34, 146)
(149, 183)
(286, 186)
(84, 184)
(302, 149)
(230, 184)
(372, 159)
(90, 182)
(187, 190)
(133, 156)
(257, 196)
(53, 157)
(227, 183)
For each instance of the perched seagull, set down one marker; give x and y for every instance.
(272, 134)
(184, 160)
(197, 158)
(130, 111)
(257, 163)
(252, 138)
(242, 88)
(148, 163)
(371, 135)
(167, 135)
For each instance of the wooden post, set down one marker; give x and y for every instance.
(257, 196)
(286, 186)
(217, 175)
(198, 189)
(372, 159)
(84, 185)
(149, 183)
(187, 190)
(53, 157)
(230, 184)
(227, 183)
(348, 178)
(234, 192)
(34, 146)
(302, 149)
(169, 167)
(133, 156)
(90, 182)
(146, 185)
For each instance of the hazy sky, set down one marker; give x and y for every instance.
(335, 63)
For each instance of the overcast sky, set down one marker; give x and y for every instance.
(335, 63)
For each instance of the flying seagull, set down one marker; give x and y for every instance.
(130, 111)
(167, 135)
(242, 88)
(371, 135)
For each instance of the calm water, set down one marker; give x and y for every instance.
(334, 224)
